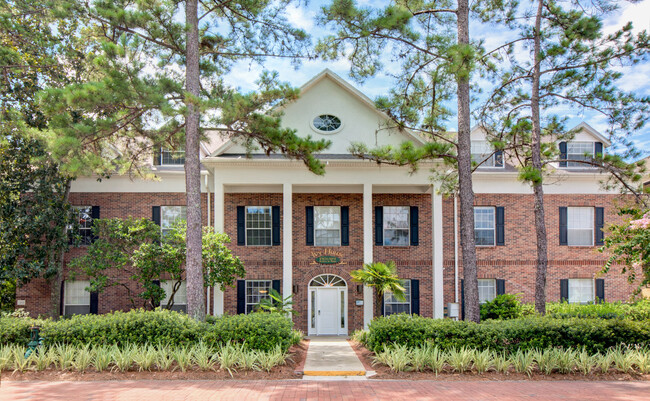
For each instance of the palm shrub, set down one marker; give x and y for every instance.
(382, 277)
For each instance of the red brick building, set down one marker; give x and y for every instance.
(302, 234)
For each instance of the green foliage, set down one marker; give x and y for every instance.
(507, 335)
(7, 295)
(639, 310)
(504, 306)
(276, 304)
(383, 278)
(256, 331)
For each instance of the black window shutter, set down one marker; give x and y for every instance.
(62, 299)
(345, 225)
(155, 214)
(600, 290)
(156, 282)
(500, 226)
(94, 302)
(415, 231)
(498, 158)
(309, 225)
(94, 214)
(599, 149)
(241, 296)
(275, 215)
(501, 286)
(241, 225)
(275, 284)
(564, 290)
(599, 235)
(379, 225)
(563, 226)
(462, 299)
(563, 154)
(415, 297)
(383, 305)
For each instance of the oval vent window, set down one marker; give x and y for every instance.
(327, 123)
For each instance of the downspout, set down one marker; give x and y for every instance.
(455, 249)
(207, 190)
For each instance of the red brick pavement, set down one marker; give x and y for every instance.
(324, 390)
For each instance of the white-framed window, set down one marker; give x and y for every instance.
(392, 305)
(484, 225)
(257, 290)
(168, 157)
(487, 290)
(327, 225)
(579, 151)
(397, 225)
(482, 152)
(180, 297)
(258, 225)
(581, 290)
(170, 215)
(76, 299)
(84, 223)
(580, 226)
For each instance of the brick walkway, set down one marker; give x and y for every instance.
(324, 390)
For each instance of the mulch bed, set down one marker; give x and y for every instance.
(384, 373)
(297, 354)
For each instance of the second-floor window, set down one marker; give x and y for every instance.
(85, 223)
(327, 225)
(483, 153)
(168, 157)
(170, 215)
(579, 151)
(258, 225)
(484, 225)
(396, 225)
(580, 226)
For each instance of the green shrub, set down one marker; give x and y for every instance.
(604, 310)
(508, 335)
(504, 306)
(256, 331)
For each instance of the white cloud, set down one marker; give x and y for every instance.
(300, 17)
(638, 14)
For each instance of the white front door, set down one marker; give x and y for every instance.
(328, 320)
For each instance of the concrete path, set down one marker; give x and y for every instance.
(289, 390)
(332, 356)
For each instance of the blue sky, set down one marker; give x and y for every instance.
(635, 79)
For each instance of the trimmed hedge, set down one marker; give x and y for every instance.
(262, 331)
(507, 335)
(639, 310)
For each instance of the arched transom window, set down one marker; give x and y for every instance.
(327, 280)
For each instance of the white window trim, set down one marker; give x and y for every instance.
(581, 165)
(493, 156)
(268, 295)
(493, 283)
(405, 302)
(316, 229)
(270, 229)
(167, 296)
(66, 292)
(161, 150)
(593, 226)
(494, 227)
(89, 230)
(162, 217)
(593, 291)
(408, 222)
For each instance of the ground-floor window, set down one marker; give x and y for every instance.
(76, 300)
(170, 215)
(393, 305)
(487, 290)
(180, 297)
(256, 291)
(581, 290)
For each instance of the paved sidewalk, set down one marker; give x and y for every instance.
(288, 390)
(332, 356)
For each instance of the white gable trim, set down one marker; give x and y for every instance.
(583, 126)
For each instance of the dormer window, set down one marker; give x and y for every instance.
(168, 157)
(575, 152)
(483, 154)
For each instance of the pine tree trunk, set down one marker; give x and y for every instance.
(465, 190)
(540, 224)
(57, 279)
(193, 262)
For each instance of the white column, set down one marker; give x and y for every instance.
(436, 229)
(368, 244)
(219, 216)
(287, 240)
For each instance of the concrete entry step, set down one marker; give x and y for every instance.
(332, 356)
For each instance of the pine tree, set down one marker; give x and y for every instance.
(571, 63)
